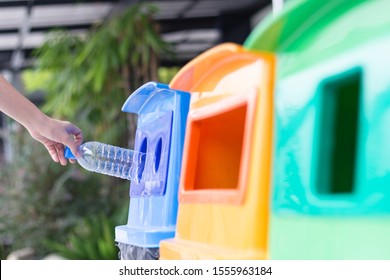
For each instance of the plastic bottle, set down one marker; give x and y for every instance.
(110, 160)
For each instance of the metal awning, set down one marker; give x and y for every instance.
(191, 25)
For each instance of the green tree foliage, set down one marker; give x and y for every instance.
(92, 77)
(86, 80)
(91, 239)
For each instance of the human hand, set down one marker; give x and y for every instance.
(54, 134)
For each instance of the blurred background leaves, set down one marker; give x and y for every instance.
(84, 80)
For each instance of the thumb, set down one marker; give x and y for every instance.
(74, 139)
(75, 151)
(72, 145)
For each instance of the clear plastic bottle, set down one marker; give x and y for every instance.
(110, 160)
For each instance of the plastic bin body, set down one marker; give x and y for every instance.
(331, 195)
(162, 114)
(224, 184)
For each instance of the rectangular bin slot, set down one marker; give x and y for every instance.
(338, 133)
(216, 147)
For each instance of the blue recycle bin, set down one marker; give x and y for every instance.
(162, 115)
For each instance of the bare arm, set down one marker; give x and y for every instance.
(52, 133)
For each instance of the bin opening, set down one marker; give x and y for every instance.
(216, 147)
(157, 155)
(339, 130)
(143, 149)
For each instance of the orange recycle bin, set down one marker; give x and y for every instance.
(225, 177)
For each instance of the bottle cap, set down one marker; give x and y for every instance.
(68, 153)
